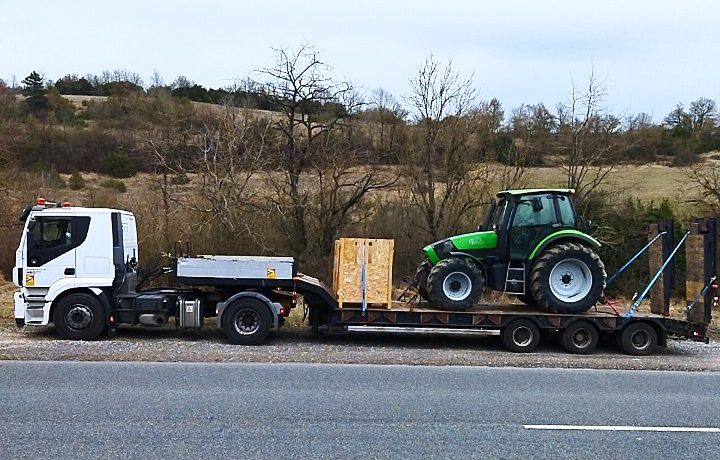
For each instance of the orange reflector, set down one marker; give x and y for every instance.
(66, 204)
(40, 202)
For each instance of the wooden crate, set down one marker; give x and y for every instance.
(347, 271)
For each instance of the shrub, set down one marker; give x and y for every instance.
(76, 181)
(118, 165)
(115, 184)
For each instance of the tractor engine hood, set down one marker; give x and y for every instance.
(475, 241)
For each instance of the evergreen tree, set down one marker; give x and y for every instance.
(36, 100)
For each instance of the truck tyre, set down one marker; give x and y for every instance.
(568, 278)
(455, 284)
(421, 280)
(247, 322)
(580, 338)
(638, 339)
(521, 336)
(79, 317)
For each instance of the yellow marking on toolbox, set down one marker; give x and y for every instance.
(271, 275)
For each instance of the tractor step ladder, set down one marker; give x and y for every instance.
(515, 280)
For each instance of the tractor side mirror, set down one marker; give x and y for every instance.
(537, 205)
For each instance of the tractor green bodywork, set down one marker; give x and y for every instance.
(516, 231)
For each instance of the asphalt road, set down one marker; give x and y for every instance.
(195, 410)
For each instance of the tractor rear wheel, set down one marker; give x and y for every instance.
(455, 284)
(568, 278)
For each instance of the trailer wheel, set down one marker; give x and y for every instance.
(581, 338)
(247, 322)
(639, 339)
(521, 336)
(79, 317)
(455, 284)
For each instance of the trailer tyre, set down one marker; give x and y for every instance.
(581, 338)
(639, 339)
(568, 278)
(521, 336)
(455, 284)
(79, 317)
(247, 322)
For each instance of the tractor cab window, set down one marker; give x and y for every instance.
(535, 218)
(567, 214)
(499, 216)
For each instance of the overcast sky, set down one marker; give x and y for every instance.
(652, 55)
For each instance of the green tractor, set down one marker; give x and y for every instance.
(531, 245)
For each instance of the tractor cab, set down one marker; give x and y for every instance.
(524, 218)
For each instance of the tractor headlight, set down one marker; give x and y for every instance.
(444, 248)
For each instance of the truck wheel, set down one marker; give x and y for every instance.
(568, 278)
(247, 322)
(521, 336)
(580, 338)
(638, 339)
(421, 280)
(79, 317)
(455, 284)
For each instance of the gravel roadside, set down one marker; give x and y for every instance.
(298, 344)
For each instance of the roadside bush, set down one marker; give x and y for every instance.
(116, 184)
(118, 165)
(76, 181)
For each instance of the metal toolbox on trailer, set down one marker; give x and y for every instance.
(236, 267)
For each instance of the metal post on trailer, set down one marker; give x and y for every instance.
(701, 268)
(661, 292)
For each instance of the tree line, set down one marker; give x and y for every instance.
(326, 162)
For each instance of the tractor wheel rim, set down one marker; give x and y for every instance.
(640, 339)
(522, 336)
(570, 280)
(247, 322)
(457, 286)
(79, 317)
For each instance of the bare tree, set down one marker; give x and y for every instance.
(588, 141)
(706, 185)
(316, 187)
(443, 181)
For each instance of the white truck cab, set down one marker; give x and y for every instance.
(65, 250)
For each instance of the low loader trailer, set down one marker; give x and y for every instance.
(76, 268)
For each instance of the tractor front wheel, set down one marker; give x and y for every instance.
(421, 280)
(568, 278)
(455, 284)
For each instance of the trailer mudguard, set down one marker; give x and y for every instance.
(564, 235)
(274, 307)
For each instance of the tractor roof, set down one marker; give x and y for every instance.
(536, 191)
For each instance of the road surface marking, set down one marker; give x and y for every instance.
(623, 428)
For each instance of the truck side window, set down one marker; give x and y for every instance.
(52, 237)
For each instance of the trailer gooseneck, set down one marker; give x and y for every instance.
(76, 268)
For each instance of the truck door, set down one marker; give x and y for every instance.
(51, 248)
